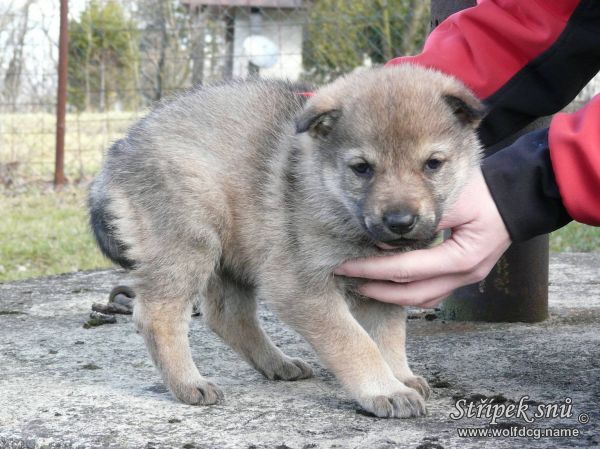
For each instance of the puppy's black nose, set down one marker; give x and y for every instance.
(400, 222)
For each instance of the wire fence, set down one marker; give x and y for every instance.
(125, 55)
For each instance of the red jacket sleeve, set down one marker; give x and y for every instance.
(527, 59)
(485, 46)
(574, 141)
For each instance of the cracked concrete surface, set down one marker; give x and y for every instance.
(65, 386)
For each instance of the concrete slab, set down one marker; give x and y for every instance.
(64, 386)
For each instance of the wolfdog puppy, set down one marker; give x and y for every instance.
(247, 189)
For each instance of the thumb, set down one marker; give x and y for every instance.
(452, 218)
(464, 208)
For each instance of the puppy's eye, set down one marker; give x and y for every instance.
(433, 164)
(362, 169)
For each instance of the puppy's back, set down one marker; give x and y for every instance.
(228, 121)
(189, 164)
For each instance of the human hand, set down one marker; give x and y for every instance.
(423, 278)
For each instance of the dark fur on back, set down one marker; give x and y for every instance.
(110, 246)
(102, 227)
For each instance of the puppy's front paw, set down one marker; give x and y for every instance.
(201, 392)
(287, 369)
(404, 403)
(420, 384)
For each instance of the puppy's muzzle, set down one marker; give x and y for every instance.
(400, 228)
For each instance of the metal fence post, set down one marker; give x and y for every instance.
(517, 287)
(61, 97)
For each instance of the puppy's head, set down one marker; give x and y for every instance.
(392, 147)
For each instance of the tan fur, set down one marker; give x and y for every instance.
(247, 190)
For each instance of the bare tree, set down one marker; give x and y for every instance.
(165, 64)
(416, 27)
(197, 24)
(12, 77)
(39, 85)
(7, 15)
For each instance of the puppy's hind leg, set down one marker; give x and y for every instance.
(165, 293)
(230, 311)
(386, 324)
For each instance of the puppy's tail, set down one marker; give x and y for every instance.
(103, 227)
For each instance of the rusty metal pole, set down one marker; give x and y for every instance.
(517, 287)
(61, 97)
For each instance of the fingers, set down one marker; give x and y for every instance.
(448, 257)
(453, 218)
(462, 211)
(426, 294)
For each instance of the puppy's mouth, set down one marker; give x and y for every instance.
(396, 244)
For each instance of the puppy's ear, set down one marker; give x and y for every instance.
(466, 108)
(318, 123)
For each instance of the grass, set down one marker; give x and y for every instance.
(575, 237)
(44, 233)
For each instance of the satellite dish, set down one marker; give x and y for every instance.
(262, 52)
